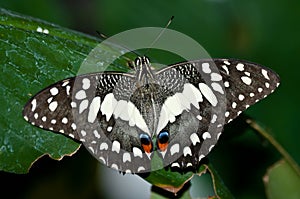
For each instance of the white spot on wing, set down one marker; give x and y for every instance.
(73, 104)
(108, 105)
(137, 152)
(65, 83)
(206, 135)
(53, 105)
(109, 128)
(226, 69)
(141, 168)
(227, 114)
(194, 138)
(83, 105)
(68, 89)
(226, 84)
(189, 164)
(226, 62)
(208, 94)
(163, 119)
(80, 94)
(199, 117)
(36, 115)
(201, 157)
(241, 97)
(246, 80)
(267, 85)
(102, 159)
(174, 149)
(217, 87)
(103, 146)
(120, 108)
(116, 146)
(96, 134)
(187, 151)
(126, 157)
(240, 67)
(49, 100)
(215, 77)
(214, 118)
(183, 100)
(211, 147)
(175, 164)
(83, 133)
(234, 104)
(205, 68)
(64, 120)
(94, 109)
(114, 166)
(265, 74)
(33, 105)
(128, 171)
(247, 73)
(86, 83)
(91, 149)
(193, 94)
(73, 126)
(54, 91)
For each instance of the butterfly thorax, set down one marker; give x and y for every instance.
(144, 73)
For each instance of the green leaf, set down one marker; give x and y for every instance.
(282, 181)
(33, 55)
(204, 183)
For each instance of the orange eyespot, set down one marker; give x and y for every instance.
(146, 143)
(162, 147)
(163, 140)
(147, 148)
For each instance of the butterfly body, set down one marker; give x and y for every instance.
(178, 111)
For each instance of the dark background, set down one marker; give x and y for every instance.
(266, 32)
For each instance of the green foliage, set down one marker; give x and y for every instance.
(29, 61)
(282, 181)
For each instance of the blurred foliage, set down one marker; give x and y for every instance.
(266, 32)
(281, 176)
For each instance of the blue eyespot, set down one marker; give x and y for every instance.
(163, 137)
(145, 139)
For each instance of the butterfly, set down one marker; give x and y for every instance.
(177, 112)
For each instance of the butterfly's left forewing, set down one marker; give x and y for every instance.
(93, 109)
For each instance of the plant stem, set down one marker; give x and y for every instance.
(275, 144)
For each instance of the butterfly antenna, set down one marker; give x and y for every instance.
(160, 34)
